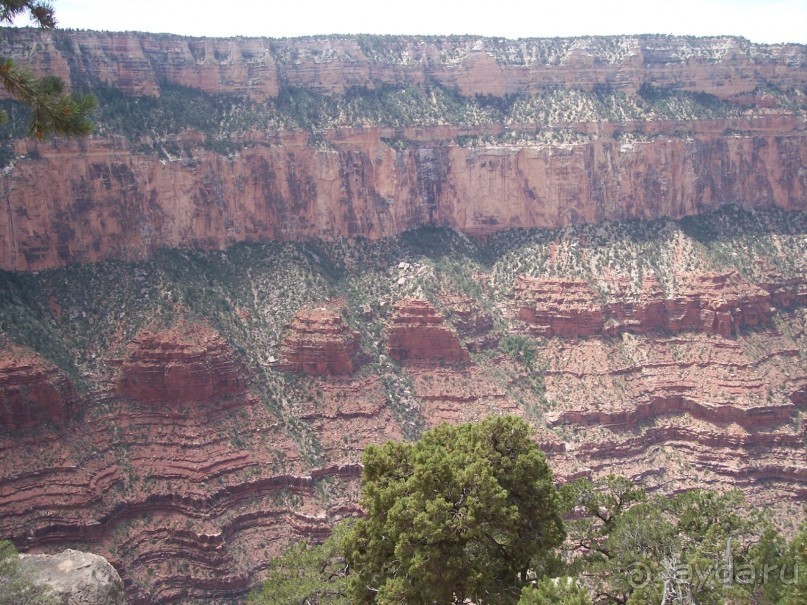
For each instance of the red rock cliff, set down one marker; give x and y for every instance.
(139, 63)
(119, 199)
(32, 391)
(188, 363)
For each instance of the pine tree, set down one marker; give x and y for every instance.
(53, 112)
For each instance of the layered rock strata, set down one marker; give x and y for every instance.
(32, 391)
(116, 203)
(139, 64)
(419, 334)
(713, 303)
(120, 198)
(187, 363)
(318, 342)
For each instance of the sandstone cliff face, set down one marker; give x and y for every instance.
(188, 363)
(419, 334)
(139, 63)
(319, 343)
(119, 199)
(114, 203)
(32, 391)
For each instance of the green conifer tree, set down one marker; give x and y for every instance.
(53, 112)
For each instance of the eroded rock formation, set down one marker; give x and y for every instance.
(671, 352)
(130, 196)
(319, 342)
(187, 363)
(715, 304)
(419, 334)
(32, 391)
(138, 64)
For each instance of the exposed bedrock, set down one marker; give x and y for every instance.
(139, 63)
(115, 203)
(188, 363)
(711, 303)
(33, 392)
(318, 342)
(418, 333)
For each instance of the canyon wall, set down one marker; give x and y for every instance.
(203, 325)
(376, 177)
(140, 64)
(213, 407)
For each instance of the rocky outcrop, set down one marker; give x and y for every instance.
(318, 342)
(76, 578)
(187, 363)
(710, 303)
(417, 333)
(139, 63)
(32, 391)
(554, 307)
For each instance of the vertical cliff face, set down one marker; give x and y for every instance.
(140, 63)
(114, 203)
(204, 143)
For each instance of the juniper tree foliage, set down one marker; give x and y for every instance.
(697, 547)
(309, 575)
(557, 591)
(796, 591)
(53, 112)
(463, 514)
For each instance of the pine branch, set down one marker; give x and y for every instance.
(53, 111)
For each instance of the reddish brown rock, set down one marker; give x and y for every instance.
(32, 391)
(418, 333)
(786, 293)
(170, 204)
(725, 304)
(188, 363)
(138, 63)
(318, 342)
(713, 304)
(363, 187)
(459, 394)
(556, 307)
(347, 415)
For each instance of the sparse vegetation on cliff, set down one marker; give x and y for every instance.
(249, 294)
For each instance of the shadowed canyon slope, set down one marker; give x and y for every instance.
(204, 143)
(276, 252)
